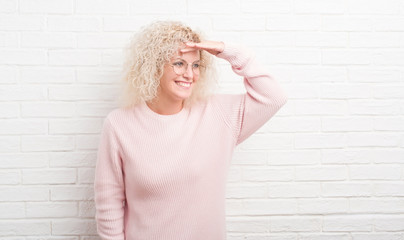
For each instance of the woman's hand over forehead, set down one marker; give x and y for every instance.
(211, 47)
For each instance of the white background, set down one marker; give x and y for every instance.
(328, 166)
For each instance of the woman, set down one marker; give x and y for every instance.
(163, 159)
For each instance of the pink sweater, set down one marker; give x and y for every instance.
(163, 177)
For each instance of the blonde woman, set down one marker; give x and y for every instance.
(163, 157)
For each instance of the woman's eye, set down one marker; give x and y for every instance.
(195, 65)
(179, 64)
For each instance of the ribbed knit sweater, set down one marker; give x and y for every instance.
(163, 177)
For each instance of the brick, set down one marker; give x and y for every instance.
(347, 223)
(102, 40)
(324, 236)
(346, 57)
(8, 6)
(292, 190)
(347, 189)
(297, 56)
(202, 7)
(297, 124)
(23, 57)
(389, 92)
(47, 143)
(48, 75)
(12, 210)
(374, 7)
(74, 227)
(83, 93)
(318, 74)
(21, 194)
(49, 176)
(112, 58)
(319, 140)
(86, 175)
(95, 109)
(346, 24)
(372, 140)
(319, 6)
(347, 156)
(9, 144)
(88, 142)
(386, 189)
(51, 209)
(375, 172)
(269, 207)
(46, 6)
(8, 75)
(321, 107)
(23, 160)
(75, 126)
(249, 158)
(73, 24)
(48, 40)
(72, 159)
(346, 124)
(388, 24)
(10, 177)
(79, 193)
(241, 225)
(74, 57)
(374, 40)
(301, 91)
(373, 75)
(125, 24)
(323, 173)
(239, 23)
(377, 236)
(25, 227)
(266, 39)
(323, 206)
(87, 209)
(267, 174)
(21, 23)
(374, 107)
(345, 91)
(389, 223)
(245, 191)
(294, 157)
(376, 205)
(9, 110)
(389, 124)
(159, 7)
(292, 23)
(295, 224)
(321, 39)
(102, 7)
(388, 58)
(17, 127)
(14, 92)
(266, 141)
(48, 109)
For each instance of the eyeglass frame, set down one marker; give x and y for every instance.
(187, 64)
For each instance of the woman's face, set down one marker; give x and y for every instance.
(174, 86)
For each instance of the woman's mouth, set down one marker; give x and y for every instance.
(183, 84)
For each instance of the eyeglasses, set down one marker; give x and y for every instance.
(180, 66)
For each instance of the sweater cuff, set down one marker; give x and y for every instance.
(237, 55)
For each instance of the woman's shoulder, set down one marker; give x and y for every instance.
(120, 113)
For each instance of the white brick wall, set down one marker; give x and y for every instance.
(328, 166)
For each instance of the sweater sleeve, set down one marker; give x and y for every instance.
(109, 187)
(246, 113)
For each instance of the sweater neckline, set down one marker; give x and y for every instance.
(153, 114)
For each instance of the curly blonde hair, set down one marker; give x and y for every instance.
(147, 53)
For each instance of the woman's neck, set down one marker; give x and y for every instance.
(165, 107)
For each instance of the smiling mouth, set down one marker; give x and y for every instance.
(183, 84)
